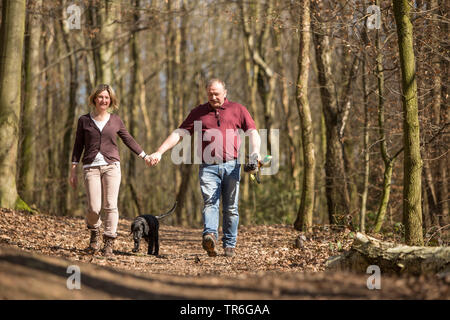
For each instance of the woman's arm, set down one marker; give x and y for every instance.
(128, 139)
(78, 146)
(77, 151)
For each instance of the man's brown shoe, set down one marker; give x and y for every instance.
(209, 244)
(229, 252)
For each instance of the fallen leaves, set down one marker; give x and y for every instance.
(275, 248)
(267, 251)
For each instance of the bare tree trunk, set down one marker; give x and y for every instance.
(412, 209)
(251, 72)
(170, 40)
(305, 212)
(51, 175)
(362, 220)
(102, 19)
(11, 45)
(444, 200)
(387, 159)
(27, 152)
(292, 174)
(265, 81)
(336, 188)
(440, 110)
(66, 150)
(184, 172)
(135, 207)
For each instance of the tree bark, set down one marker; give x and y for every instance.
(412, 163)
(305, 212)
(336, 188)
(287, 127)
(362, 219)
(184, 172)
(387, 159)
(66, 149)
(265, 76)
(135, 207)
(51, 169)
(101, 18)
(27, 152)
(11, 45)
(440, 109)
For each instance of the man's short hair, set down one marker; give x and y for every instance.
(215, 80)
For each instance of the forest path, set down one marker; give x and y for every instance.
(36, 251)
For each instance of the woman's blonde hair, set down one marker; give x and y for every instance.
(113, 106)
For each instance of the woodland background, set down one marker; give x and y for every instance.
(158, 55)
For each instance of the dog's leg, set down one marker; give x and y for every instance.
(150, 245)
(156, 242)
(136, 245)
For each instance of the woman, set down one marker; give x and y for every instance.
(97, 134)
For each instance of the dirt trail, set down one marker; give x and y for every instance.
(36, 250)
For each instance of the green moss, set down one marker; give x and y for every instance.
(23, 206)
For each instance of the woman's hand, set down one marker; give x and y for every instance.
(153, 159)
(73, 177)
(147, 160)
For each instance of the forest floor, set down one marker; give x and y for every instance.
(36, 250)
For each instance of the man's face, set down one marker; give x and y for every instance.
(216, 94)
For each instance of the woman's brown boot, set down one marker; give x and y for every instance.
(94, 242)
(108, 248)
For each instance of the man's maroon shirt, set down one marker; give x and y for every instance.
(231, 115)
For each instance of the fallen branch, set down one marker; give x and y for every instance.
(391, 258)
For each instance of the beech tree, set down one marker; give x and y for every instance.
(11, 45)
(27, 148)
(305, 213)
(412, 163)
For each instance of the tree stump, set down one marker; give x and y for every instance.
(391, 258)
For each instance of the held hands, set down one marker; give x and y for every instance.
(153, 159)
(147, 160)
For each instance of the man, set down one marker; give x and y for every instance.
(220, 170)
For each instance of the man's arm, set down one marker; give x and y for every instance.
(255, 143)
(169, 143)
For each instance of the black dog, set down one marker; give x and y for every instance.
(147, 226)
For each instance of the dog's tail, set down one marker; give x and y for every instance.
(167, 213)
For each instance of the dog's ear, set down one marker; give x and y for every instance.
(133, 225)
(146, 227)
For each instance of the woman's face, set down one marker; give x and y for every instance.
(102, 101)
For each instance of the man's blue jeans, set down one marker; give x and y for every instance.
(221, 180)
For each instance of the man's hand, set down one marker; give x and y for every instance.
(153, 159)
(253, 163)
(256, 156)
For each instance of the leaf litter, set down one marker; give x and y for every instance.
(269, 252)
